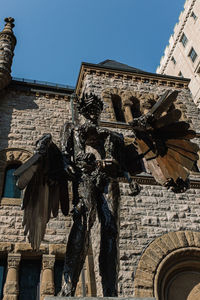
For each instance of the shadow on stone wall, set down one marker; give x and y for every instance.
(15, 113)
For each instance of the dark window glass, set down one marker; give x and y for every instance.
(135, 107)
(184, 39)
(173, 60)
(10, 189)
(2, 277)
(58, 271)
(117, 105)
(193, 16)
(29, 280)
(193, 54)
(180, 74)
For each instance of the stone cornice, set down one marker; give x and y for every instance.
(149, 180)
(57, 250)
(48, 91)
(145, 77)
(177, 38)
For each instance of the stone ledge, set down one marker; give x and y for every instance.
(95, 298)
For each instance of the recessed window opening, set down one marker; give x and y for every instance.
(180, 74)
(117, 106)
(10, 189)
(193, 16)
(173, 60)
(3, 270)
(184, 40)
(193, 54)
(58, 271)
(29, 280)
(135, 107)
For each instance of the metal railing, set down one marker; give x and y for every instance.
(56, 85)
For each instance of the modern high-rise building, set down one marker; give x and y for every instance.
(182, 55)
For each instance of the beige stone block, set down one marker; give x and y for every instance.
(47, 288)
(11, 287)
(197, 238)
(57, 249)
(182, 238)
(190, 238)
(143, 292)
(174, 238)
(6, 247)
(26, 248)
(10, 297)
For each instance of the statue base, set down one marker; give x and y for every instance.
(95, 298)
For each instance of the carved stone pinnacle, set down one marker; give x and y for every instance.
(10, 20)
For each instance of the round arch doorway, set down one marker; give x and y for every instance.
(178, 276)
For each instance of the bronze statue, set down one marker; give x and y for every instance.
(93, 158)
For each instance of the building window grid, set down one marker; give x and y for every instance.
(10, 190)
(193, 16)
(193, 54)
(173, 60)
(180, 74)
(184, 39)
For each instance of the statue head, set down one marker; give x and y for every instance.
(90, 106)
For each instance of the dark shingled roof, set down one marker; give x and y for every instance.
(117, 65)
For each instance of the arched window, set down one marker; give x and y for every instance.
(179, 276)
(135, 107)
(10, 190)
(117, 106)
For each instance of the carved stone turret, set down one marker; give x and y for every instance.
(7, 46)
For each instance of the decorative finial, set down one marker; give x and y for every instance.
(10, 21)
(7, 46)
(9, 25)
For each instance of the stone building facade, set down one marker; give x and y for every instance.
(182, 55)
(159, 241)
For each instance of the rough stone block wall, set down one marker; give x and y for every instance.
(155, 211)
(24, 118)
(97, 84)
(11, 229)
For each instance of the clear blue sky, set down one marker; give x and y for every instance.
(55, 36)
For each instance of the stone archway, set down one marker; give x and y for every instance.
(10, 156)
(166, 258)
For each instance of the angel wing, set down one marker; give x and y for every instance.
(45, 181)
(164, 141)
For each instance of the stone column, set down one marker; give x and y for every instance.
(127, 110)
(11, 287)
(47, 282)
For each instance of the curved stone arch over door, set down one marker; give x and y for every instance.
(166, 263)
(146, 101)
(8, 157)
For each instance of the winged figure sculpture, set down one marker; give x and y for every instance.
(93, 158)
